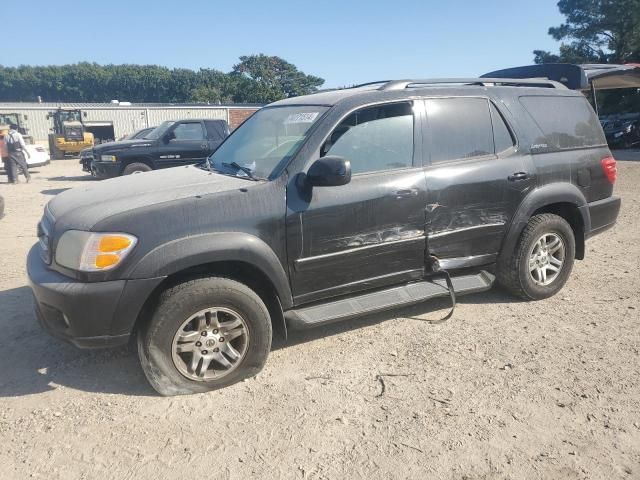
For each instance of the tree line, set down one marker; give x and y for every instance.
(255, 79)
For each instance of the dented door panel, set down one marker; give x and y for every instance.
(365, 234)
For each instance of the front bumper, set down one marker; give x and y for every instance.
(603, 214)
(107, 169)
(88, 315)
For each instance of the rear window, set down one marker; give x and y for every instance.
(565, 122)
(459, 128)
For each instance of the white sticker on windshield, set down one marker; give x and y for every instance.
(304, 117)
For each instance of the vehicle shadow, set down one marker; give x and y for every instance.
(39, 363)
(35, 362)
(53, 191)
(79, 178)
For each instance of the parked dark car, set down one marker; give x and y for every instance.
(86, 155)
(171, 144)
(623, 133)
(321, 208)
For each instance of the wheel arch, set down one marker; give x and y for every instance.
(562, 199)
(147, 160)
(242, 257)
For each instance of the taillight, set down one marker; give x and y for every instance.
(609, 169)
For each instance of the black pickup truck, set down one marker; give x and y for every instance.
(171, 144)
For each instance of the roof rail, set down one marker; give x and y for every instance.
(512, 82)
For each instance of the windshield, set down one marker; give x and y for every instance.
(267, 139)
(69, 115)
(159, 130)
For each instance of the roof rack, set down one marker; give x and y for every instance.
(386, 85)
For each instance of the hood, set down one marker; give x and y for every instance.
(123, 144)
(82, 207)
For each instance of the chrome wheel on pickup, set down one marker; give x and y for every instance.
(210, 344)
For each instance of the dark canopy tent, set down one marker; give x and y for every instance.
(591, 77)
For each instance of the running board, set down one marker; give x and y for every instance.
(409, 294)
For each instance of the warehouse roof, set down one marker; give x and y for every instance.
(54, 105)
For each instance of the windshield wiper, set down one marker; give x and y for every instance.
(239, 167)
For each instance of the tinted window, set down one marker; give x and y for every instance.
(188, 131)
(565, 122)
(458, 128)
(216, 130)
(501, 135)
(374, 139)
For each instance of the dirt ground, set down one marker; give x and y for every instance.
(505, 389)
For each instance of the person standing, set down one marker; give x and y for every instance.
(17, 150)
(4, 154)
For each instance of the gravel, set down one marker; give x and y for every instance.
(505, 389)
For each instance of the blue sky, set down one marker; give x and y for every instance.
(343, 41)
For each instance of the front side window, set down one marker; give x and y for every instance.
(458, 128)
(188, 131)
(266, 140)
(160, 130)
(375, 138)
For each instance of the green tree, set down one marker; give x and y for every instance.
(603, 31)
(262, 78)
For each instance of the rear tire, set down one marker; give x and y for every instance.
(542, 261)
(171, 343)
(136, 167)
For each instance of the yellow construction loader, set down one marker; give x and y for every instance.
(69, 135)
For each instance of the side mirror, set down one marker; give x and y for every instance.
(168, 137)
(329, 172)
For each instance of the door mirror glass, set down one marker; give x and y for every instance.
(329, 171)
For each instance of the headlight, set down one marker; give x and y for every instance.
(108, 158)
(93, 252)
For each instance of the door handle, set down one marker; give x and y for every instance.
(515, 177)
(406, 192)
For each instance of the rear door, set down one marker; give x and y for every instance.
(187, 144)
(475, 176)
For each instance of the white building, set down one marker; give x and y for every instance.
(109, 121)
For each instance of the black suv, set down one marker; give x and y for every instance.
(321, 208)
(171, 144)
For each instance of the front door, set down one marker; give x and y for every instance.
(476, 178)
(370, 232)
(188, 144)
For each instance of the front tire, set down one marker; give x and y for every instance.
(542, 261)
(205, 334)
(136, 167)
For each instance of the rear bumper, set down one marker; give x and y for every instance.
(88, 315)
(603, 214)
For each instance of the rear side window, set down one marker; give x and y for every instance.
(565, 122)
(459, 128)
(502, 136)
(375, 139)
(216, 130)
